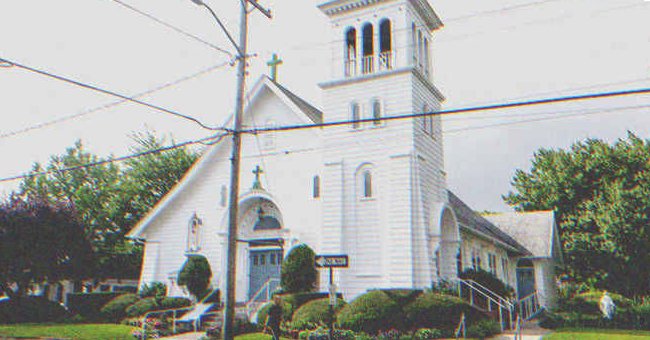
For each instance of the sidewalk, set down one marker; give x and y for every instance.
(186, 336)
(530, 331)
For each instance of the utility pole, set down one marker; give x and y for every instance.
(231, 257)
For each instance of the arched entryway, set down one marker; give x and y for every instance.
(525, 278)
(449, 245)
(261, 234)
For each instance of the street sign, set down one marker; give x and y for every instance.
(331, 261)
(332, 296)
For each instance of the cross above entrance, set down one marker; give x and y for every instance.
(273, 65)
(257, 184)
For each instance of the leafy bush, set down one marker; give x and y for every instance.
(31, 309)
(142, 307)
(315, 312)
(196, 275)
(370, 313)
(89, 305)
(583, 310)
(551, 320)
(154, 289)
(642, 313)
(589, 302)
(298, 271)
(428, 334)
(146, 305)
(298, 299)
(263, 313)
(115, 310)
(489, 280)
(322, 333)
(435, 310)
(403, 297)
(484, 329)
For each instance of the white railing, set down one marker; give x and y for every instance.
(502, 304)
(368, 64)
(529, 306)
(517, 333)
(461, 329)
(350, 67)
(265, 292)
(386, 60)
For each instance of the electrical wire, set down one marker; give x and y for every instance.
(113, 160)
(112, 104)
(174, 28)
(111, 93)
(500, 106)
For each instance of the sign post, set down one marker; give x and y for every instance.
(331, 262)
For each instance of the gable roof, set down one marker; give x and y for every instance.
(292, 100)
(535, 230)
(477, 223)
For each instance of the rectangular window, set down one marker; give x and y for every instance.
(272, 259)
(492, 263)
(255, 262)
(262, 260)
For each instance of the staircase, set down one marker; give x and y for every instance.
(260, 298)
(498, 307)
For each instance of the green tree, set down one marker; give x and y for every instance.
(298, 271)
(110, 199)
(601, 196)
(39, 242)
(196, 275)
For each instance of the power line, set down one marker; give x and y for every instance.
(112, 104)
(114, 94)
(545, 101)
(525, 121)
(174, 28)
(500, 10)
(115, 160)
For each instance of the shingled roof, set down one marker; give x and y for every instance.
(313, 113)
(475, 222)
(535, 230)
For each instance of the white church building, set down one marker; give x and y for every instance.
(373, 189)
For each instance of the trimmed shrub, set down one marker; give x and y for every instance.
(89, 305)
(315, 312)
(403, 297)
(263, 313)
(589, 302)
(31, 309)
(642, 313)
(428, 334)
(484, 329)
(298, 299)
(299, 273)
(115, 310)
(154, 289)
(370, 313)
(196, 275)
(489, 280)
(551, 320)
(440, 311)
(146, 305)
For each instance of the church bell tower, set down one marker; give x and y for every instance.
(382, 178)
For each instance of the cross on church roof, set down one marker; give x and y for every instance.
(273, 65)
(257, 184)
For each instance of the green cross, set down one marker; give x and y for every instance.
(273, 64)
(258, 171)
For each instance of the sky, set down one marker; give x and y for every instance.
(489, 51)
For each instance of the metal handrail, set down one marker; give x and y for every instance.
(266, 286)
(461, 327)
(518, 334)
(498, 301)
(529, 305)
(494, 295)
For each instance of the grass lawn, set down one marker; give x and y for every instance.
(70, 331)
(596, 334)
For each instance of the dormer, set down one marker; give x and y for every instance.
(379, 36)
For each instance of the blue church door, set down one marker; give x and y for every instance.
(525, 278)
(264, 265)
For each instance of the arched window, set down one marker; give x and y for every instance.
(350, 51)
(194, 234)
(420, 48)
(224, 195)
(414, 44)
(368, 48)
(316, 187)
(385, 45)
(367, 184)
(426, 55)
(355, 115)
(376, 112)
